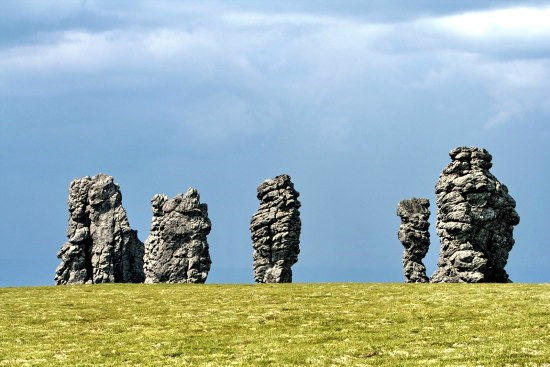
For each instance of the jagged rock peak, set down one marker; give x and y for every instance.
(102, 248)
(176, 250)
(475, 220)
(275, 230)
(415, 236)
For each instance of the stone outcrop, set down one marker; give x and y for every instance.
(176, 250)
(276, 231)
(102, 248)
(415, 237)
(475, 220)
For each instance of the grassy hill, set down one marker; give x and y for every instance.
(345, 324)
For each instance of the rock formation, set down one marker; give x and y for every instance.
(176, 250)
(102, 248)
(415, 237)
(276, 231)
(475, 220)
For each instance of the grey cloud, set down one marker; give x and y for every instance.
(232, 71)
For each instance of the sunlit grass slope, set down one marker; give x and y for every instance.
(276, 325)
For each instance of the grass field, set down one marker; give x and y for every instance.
(344, 324)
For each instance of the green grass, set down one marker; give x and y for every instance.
(344, 324)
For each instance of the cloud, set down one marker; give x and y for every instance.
(521, 22)
(232, 71)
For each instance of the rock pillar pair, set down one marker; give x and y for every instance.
(102, 248)
(475, 221)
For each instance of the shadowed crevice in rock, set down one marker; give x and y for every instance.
(102, 248)
(415, 236)
(475, 220)
(276, 230)
(176, 250)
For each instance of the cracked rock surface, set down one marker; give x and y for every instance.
(475, 220)
(102, 248)
(276, 230)
(415, 236)
(176, 250)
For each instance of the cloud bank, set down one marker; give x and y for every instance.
(251, 71)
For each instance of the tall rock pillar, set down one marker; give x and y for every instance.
(415, 237)
(276, 230)
(475, 220)
(176, 250)
(102, 248)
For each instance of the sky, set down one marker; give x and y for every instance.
(359, 103)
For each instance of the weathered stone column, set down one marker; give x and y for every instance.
(415, 237)
(276, 231)
(176, 250)
(102, 247)
(475, 220)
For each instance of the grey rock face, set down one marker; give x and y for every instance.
(276, 231)
(415, 237)
(102, 248)
(475, 220)
(176, 250)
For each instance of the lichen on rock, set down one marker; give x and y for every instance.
(102, 248)
(176, 250)
(275, 230)
(475, 220)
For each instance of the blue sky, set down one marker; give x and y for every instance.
(360, 104)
